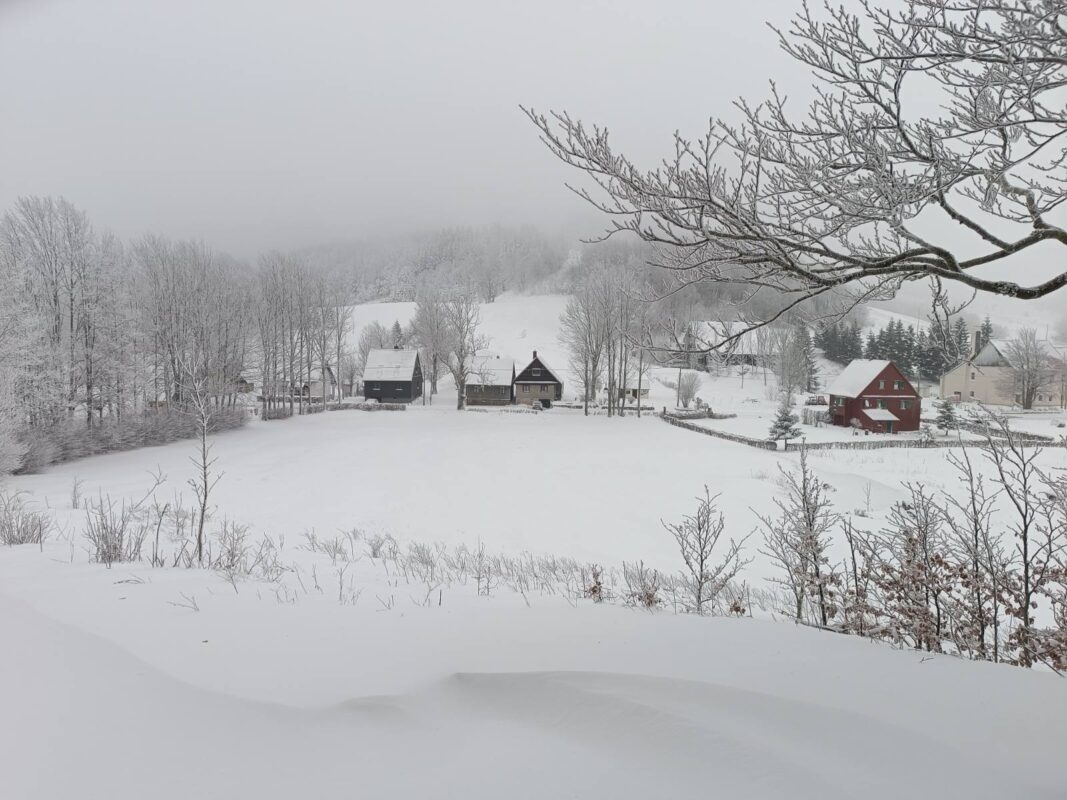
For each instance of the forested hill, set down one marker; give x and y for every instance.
(497, 258)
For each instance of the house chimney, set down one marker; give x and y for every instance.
(535, 354)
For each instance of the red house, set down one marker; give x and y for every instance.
(874, 395)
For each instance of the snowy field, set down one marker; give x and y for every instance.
(348, 677)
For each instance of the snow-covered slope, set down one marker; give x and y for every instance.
(532, 703)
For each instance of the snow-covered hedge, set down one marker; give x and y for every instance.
(71, 439)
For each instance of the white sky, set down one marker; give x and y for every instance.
(262, 123)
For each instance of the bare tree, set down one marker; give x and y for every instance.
(798, 542)
(1032, 367)
(850, 195)
(697, 536)
(462, 315)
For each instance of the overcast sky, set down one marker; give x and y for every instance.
(267, 123)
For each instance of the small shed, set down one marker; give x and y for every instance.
(873, 394)
(491, 382)
(392, 376)
(538, 382)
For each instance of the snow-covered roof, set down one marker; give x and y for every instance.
(857, 376)
(491, 371)
(880, 414)
(390, 365)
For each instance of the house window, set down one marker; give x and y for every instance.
(972, 376)
(376, 387)
(526, 389)
(544, 389)
(883, 404)
(972, 392)
(839, 401)
(504, 391)
(881, 384)
(898, 385)
(535, 372)
(905, 405)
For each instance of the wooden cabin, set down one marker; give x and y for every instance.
(491, 382)
(392, 376)
(538, 382)
(874, 395)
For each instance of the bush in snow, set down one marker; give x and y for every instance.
(688, 386)
(643, 585)
(19, 524)
(71, 439)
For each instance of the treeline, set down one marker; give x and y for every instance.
(97, 333)
(494, 258)
(925, 352)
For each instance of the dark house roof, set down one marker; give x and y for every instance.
(537, 371)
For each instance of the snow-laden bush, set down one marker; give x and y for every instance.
(72, 439)
(643, 585)
(19, 524)
(116, 532)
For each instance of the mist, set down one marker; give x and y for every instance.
(274, 124)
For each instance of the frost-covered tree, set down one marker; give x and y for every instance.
(1032, 367)
(798, 543)
(932, 120)
(913, 575)
(462, 315)
(688, 386)
(430, 330)
(706, 573)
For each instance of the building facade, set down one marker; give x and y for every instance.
(537, 382)
(392, 376)
(874, 395)
(491, 382)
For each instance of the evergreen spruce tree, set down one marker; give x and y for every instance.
(785, 423)
(809, 365)
(946, 415)
(962, 337)
(871, 350)
(985, 333)
(398, 334)
(854, 344)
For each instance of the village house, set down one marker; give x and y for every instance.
(392, 376)
(491, 382)
(874, 395)
(989, 377)
(537, 382)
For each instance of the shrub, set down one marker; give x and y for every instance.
(19, 524)
(71, 439)
(643, 585)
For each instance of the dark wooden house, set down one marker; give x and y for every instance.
(392, 376)
(491, 382)
(874, 395)
(538, 382)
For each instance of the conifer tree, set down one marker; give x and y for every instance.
(985, 333)
(946, 415)
(785, 425)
